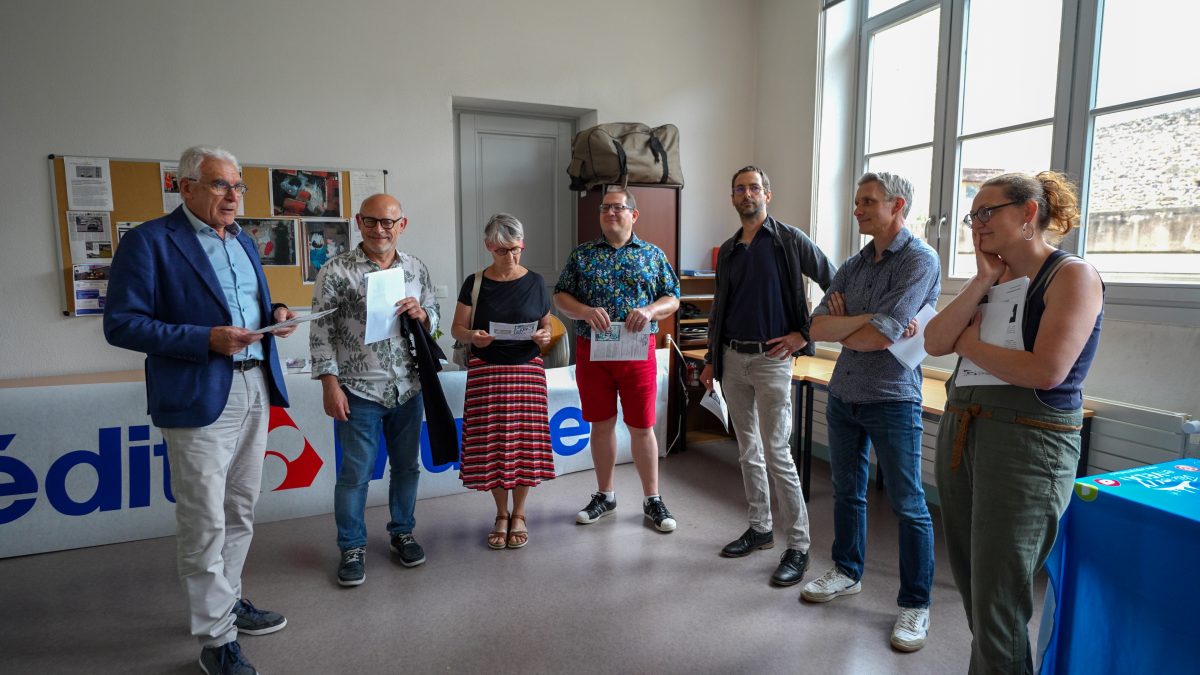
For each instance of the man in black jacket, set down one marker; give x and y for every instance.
(759, 321)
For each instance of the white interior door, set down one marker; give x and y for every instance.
(516, 165)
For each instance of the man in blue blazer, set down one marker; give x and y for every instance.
(187, 289)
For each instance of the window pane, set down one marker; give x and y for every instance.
(916, 166)
(1003, 86)
(1147, 48)
(982, 158)
(1143, 204)
(880, 6)
(903, 84)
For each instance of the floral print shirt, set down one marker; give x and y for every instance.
(617, 279)
(382, 371)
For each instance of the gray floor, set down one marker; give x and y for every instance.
(612, 597)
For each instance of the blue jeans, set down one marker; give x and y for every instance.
(359, 437)
(894, 429)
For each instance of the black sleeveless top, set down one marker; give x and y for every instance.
(1068, 395)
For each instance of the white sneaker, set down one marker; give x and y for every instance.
(912, 626)
(829, 586)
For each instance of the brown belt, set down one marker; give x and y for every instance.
(975, 410)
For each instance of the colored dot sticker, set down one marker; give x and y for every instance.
(1086, 492)
(1108, 482)
(1187, 467)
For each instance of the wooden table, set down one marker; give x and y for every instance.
(812, 372)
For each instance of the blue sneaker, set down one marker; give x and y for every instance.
(254, 621)
(225, 660)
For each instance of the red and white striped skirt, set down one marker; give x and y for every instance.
(506, 429)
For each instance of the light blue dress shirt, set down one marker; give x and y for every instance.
(235, 273)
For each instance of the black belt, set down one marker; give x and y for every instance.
(748, 346)
(248, 364)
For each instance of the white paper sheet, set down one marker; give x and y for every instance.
(363, 184)
(618, 344)
(384, 289)
(512, 331)
(714, 402)
(89, 183)
(911, 351)
(1001, 326)
(295, 321)
(168, 176)
(90, 236)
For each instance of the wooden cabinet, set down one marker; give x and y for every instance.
(695, 305)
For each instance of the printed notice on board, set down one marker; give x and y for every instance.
(90, 288)
(363, 184)
(168, 173)
(89, 183)
(90, 236)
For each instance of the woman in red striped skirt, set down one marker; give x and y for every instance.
(506, 433)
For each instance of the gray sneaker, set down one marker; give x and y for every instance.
(353, 569)
(830, 585)
(225, 660)
(254, 621)
(410, 552)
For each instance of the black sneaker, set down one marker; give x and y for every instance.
(792, 567)
(353, 569)
(410, 552)
(596, 509)
(750, 541)
(225, 660)
(657, 511)
(254, 621)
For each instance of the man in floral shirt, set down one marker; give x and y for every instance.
(619, 278)
(372, 388)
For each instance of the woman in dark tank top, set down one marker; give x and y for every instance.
(1007, 454)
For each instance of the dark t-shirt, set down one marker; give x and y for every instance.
(755, 310)
(517, 301)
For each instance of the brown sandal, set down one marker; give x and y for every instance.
(496, 538)
(517, 539)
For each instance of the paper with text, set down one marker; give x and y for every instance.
(1000, 326)
(384, 289)
(911, 350)
(619, 344)
(512, 331)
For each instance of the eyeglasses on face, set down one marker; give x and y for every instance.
(983, 214)
(385, 223)
(754, 189)
(513, 250)
(614, 208)
(222, 188)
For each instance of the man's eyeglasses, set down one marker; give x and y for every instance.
(741, 190)
(385, 223)
(614, 208)
(983, 214)
(222, 188)
(506, 251)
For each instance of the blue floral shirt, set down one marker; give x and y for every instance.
(617, 279)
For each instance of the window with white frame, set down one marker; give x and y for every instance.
(952, 92)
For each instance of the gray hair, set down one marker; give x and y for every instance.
(502, 229)
(193, 157)
(893, 185)
(629, 200)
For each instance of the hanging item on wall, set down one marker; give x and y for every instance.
(625, 152)
(301, 192)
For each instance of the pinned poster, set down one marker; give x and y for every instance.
(89, 183)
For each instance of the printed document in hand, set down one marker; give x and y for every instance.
(619, 344)
(1001, 326)
(714, 402)
(911, 350)
(295, 321)
(384, 289)
(512, 331)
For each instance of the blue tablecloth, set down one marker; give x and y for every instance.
(1123, 574)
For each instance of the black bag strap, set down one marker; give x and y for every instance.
(660, 152)
(622, 162)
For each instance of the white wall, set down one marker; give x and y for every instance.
(354, 84)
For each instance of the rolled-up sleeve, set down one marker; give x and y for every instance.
(916, 282)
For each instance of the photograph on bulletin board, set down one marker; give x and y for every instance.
(300, 192)
(275, 239)
(322, 239)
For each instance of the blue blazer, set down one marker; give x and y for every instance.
(163, 297)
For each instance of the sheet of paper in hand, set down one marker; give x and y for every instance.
(619, 344)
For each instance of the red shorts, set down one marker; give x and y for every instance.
(600, 382)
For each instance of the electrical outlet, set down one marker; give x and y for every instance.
(440, 291)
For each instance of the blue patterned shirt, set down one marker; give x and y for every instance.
(617, 279)
(236, 275)
(907, 278)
